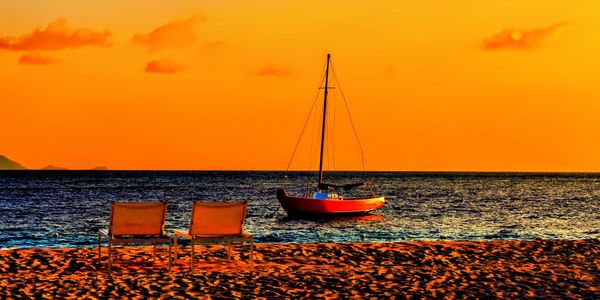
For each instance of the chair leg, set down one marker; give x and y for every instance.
(170, 256)
(175, 248)
(109, 258)
(252, 253)
(154, 252)
(228, 250)
(193, 244)
(99, 248)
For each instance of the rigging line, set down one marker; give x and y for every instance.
(328, 136)
(330, 129)
(331, 123)
(301, 133)
(303, 128)
(312, 138)
(333, 132)
(314, 147)
(338, 86)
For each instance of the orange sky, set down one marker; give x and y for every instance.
(432, 85)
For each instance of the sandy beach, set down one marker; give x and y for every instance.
(502, 269)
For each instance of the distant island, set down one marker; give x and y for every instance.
(8, 164)
(54, 168)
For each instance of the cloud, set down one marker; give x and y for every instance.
(36, 58)
(523, 39)
(178, 33)
(272, 71)
(56, 36)
(389, 71)
(163, 65)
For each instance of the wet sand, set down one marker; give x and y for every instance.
(500, 269)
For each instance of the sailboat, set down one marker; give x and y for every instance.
(326, 201)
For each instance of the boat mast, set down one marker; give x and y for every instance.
(324, 119)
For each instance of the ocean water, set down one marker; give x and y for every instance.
(66, 208)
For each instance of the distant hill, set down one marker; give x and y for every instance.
(53, 167)
(7, 164)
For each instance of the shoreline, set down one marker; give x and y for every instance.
(500, 269)
(186, 243)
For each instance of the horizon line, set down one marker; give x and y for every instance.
(305, 171)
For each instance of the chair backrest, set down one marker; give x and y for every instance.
(137, 218)
(218, 218)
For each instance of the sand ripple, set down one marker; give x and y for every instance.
(502, 269)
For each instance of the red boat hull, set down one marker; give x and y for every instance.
(298, 206)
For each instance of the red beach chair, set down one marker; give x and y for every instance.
(216, 222)
(135, 223)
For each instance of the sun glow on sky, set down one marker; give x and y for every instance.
(432, 85)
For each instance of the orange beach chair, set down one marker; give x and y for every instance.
(135, 223)
(217, 222)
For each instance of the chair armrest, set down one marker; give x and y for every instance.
(104, 232)
(182, 232)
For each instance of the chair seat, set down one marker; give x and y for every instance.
(212, 237)
(243, 235)
(141, 236)
(135, 238)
